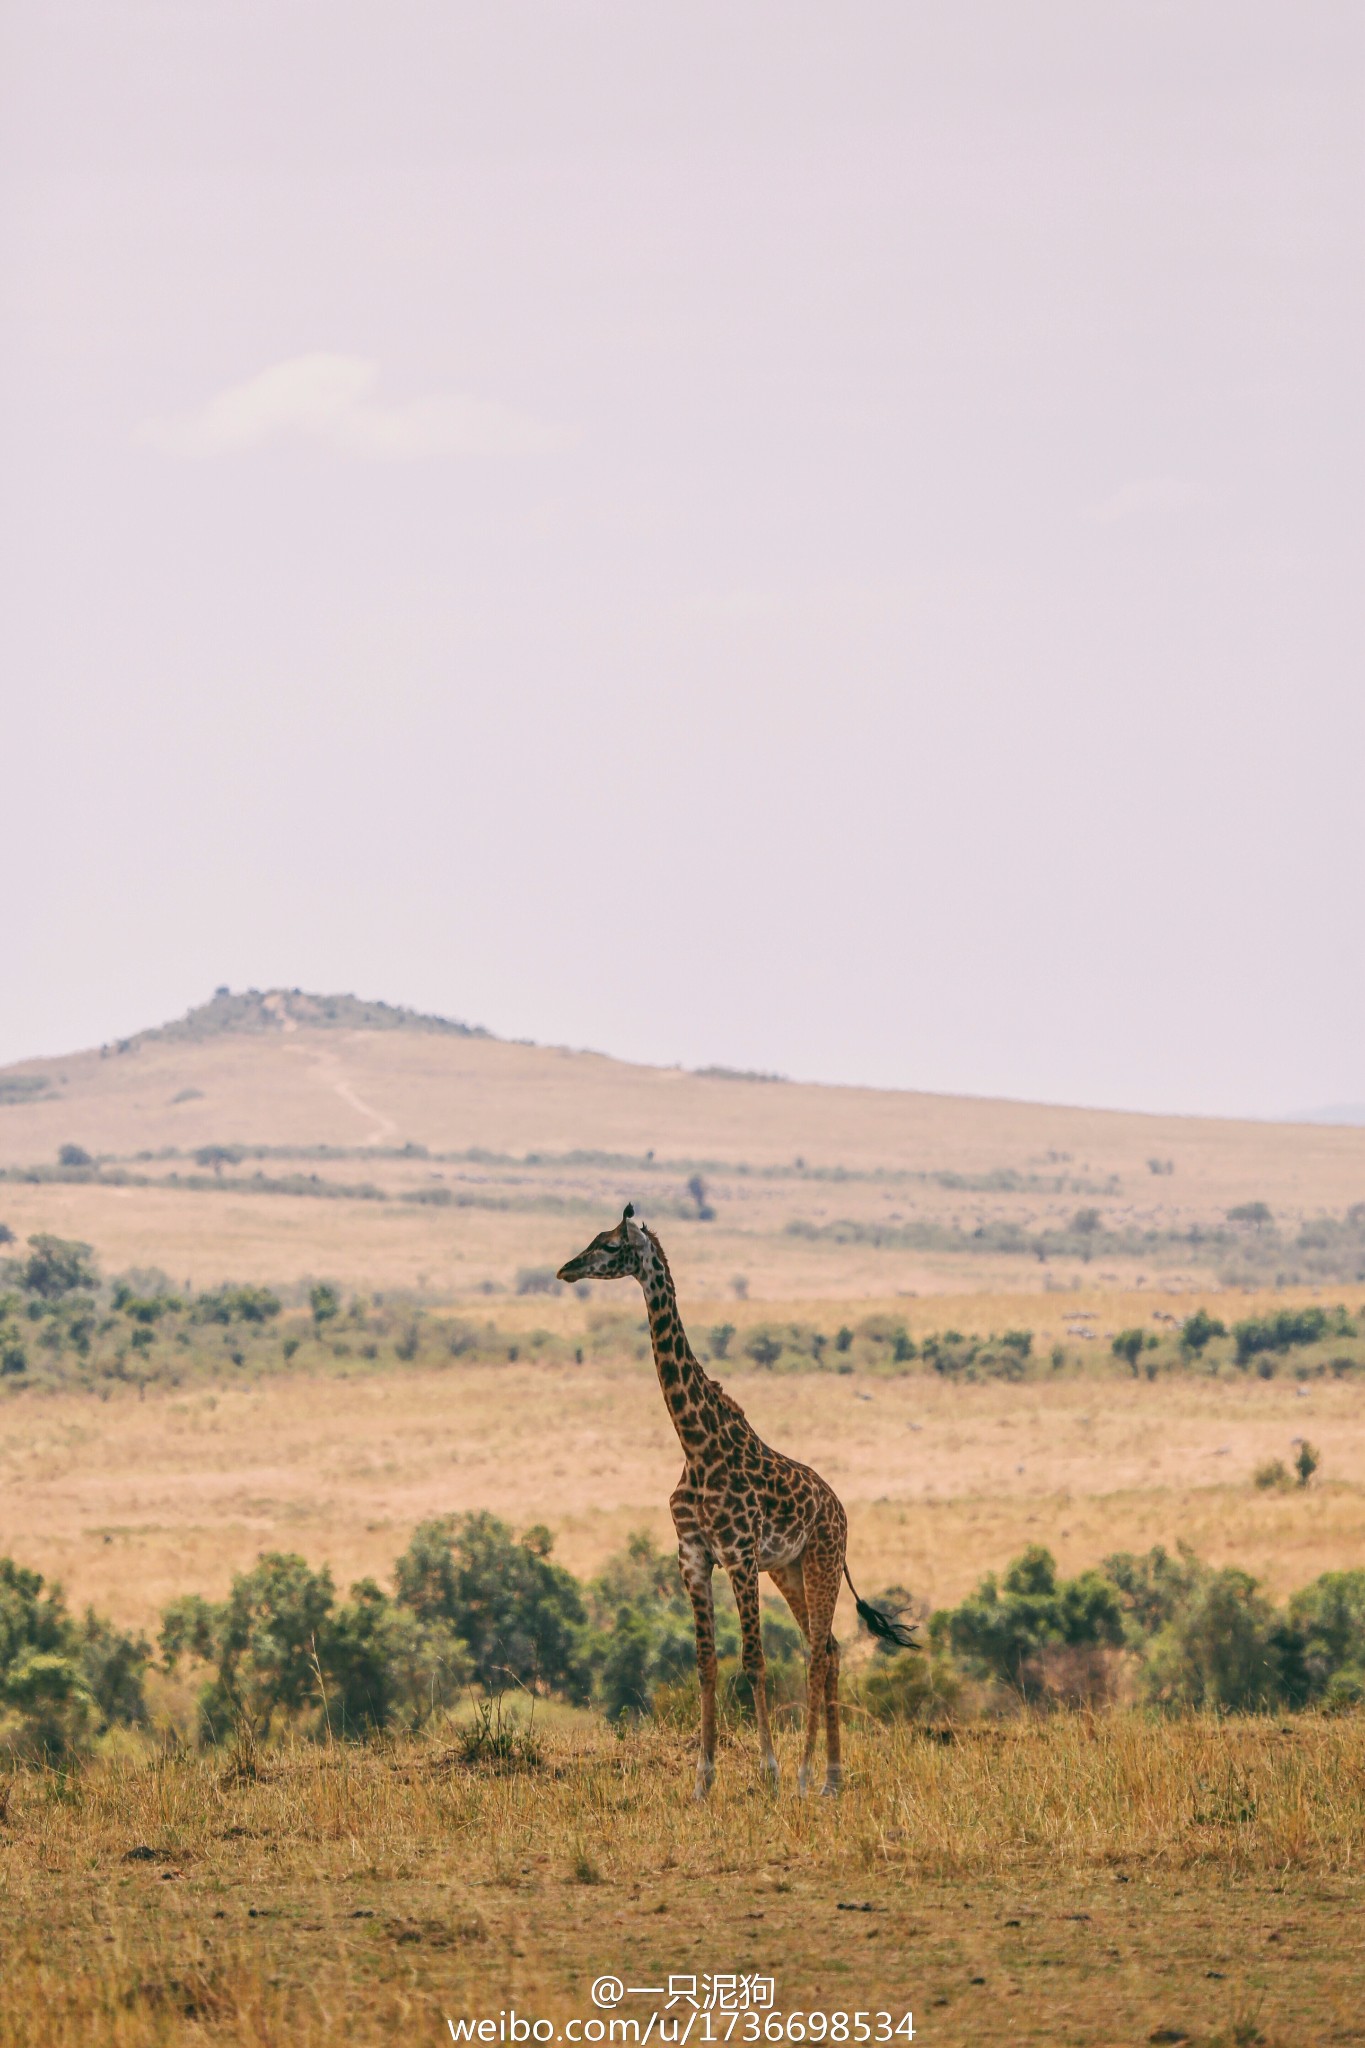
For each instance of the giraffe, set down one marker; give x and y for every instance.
(745, 1507)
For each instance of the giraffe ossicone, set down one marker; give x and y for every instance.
(745, 1507)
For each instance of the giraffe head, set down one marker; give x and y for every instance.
(616, 1254)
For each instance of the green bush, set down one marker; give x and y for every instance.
(905, 1686)
(518, 1617)
(57, 1266)
(112, 1666)
(216, 1157)
(1198, 1330)
(54, 1711)
(385, 1667)
(262, 1640)
(642, 1637)
(61, 1681)
(1014, 1630)
(1345, 1690)
(1129, 1346)
(325, 1302)
(1283, 1331)
(236, 1305)
(283, 1653)
(641, 1643)
(954, 1356)
(763, 1345)
(1151, 1589)
(1329, 1619)
(1225, 1647)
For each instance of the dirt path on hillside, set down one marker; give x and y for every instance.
(330, 1073)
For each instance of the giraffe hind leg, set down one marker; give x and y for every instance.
(790, 1582)
(834, 1768)
(822, 1567)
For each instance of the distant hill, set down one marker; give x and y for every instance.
(284, 1009)
(275, 1133)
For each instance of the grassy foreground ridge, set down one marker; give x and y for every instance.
(1083, 1878)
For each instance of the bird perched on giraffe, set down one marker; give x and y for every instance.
(743, 1506)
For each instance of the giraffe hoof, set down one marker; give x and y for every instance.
(803, 1781)
(772, 1776)
(705, 1779)
(831, 1788)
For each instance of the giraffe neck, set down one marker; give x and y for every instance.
(688, 1392)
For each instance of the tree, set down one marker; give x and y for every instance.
(1128, 1345)
(144, 1309)
(764, 1346)
(218, 1156)
(1257, 1214)
(1329, 1616)
(1198, 1330)
(73, 1156)
(1226, 1648)
(62, 1680)
(282, 1649)
(1282, 1331)
(1006, 1629)
(696, 1187)
(381, 1665)
(1152, 1586)
(57, 1266)
(236, 1305)
(1087, 1224)
(1307, 1462)
(325, 1302)
(626, 1677)
(646, 1637)
(516, 1612)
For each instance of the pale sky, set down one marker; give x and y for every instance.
(815, 538)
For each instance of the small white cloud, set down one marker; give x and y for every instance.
(331, 399)
(1145, 494)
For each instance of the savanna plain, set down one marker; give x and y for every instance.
(319, 1245)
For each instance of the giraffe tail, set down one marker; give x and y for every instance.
(883, 1623)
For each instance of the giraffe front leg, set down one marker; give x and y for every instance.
(744, 1579)
(695, 1563)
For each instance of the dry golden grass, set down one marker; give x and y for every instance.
(130, 1502)
(1084, 1880)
